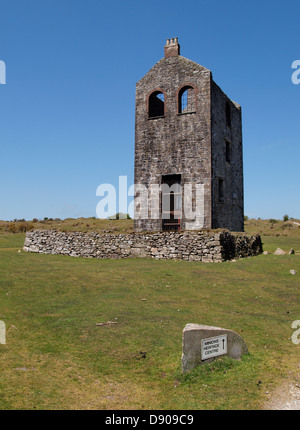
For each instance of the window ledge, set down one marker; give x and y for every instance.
(186, 113)
(156, 117)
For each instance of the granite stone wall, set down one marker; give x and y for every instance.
(188, 245)
(227, 163)
(175, 143)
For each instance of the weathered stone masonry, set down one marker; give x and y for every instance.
(197, 138)
(188, 245)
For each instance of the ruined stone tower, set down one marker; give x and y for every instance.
(188, 149)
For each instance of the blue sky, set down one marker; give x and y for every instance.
(67, 109)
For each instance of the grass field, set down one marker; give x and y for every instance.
(57, 357)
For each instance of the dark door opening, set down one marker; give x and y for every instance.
(171, 202)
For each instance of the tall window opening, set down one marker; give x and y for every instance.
(171, 202)
(187, 100)
(156, 104)
(228, 151)
(221, 190)
(228, 114)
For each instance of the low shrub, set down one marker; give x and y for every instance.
(119, 215)
(19, 227)
(273, 221)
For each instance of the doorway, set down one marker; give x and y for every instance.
(171, 202)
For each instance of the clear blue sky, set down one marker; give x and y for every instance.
(67, 109)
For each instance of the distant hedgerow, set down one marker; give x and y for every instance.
(117, 216)
(19, 227)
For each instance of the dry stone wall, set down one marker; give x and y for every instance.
(187, 245)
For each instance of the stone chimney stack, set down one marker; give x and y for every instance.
(172, 48)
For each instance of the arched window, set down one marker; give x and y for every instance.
(187, 100)
(156, 104)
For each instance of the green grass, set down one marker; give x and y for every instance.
(56, 357)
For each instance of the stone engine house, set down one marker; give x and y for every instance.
(188, 149)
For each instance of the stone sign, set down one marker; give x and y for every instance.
(202, 344)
